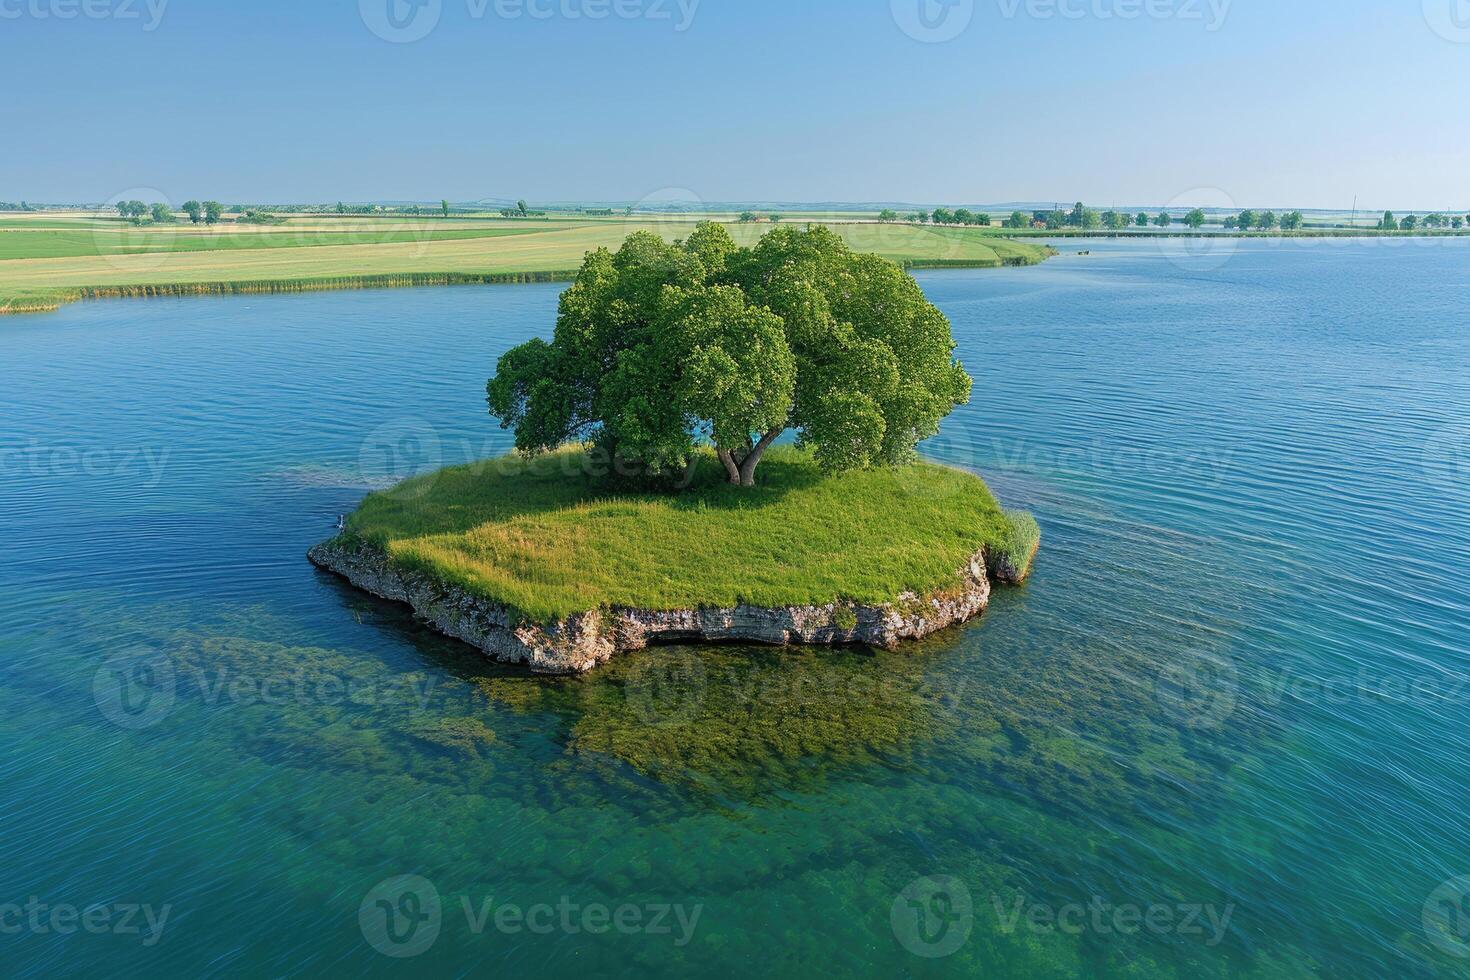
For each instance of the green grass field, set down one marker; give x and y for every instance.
(547, 539)
(43, 264)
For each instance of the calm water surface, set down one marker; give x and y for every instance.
(1222, 732)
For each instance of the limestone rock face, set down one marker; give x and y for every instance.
(582, 642)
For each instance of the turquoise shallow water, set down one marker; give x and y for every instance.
(1222, 732)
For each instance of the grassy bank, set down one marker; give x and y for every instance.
(43, 267)
(546, 538)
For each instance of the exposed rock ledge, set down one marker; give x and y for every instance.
(584, 641)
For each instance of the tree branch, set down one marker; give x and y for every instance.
(753, 459)
(728, 458)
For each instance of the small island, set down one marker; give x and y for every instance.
(534, 562)
(652, 496)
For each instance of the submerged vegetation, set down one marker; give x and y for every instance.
(547, 538)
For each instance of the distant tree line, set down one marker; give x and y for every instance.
(1249, 220)
(1410, 222)
(22, 206)
(1083, 218)
(522, 210)
(940, 216)
(209, 212)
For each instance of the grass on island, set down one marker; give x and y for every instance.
(43, 266)
(546, 538)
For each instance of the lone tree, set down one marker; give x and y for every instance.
(194, 210)
(662, 347)
(213, 211)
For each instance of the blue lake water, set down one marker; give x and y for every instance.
(1224, 731)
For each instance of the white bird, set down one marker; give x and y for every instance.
(341, 522)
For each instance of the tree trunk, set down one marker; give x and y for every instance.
(753, 458)
(728, 458)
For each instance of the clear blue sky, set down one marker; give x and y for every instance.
(1286, 102)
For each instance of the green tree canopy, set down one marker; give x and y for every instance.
(213, 211)
(888, 214)
(662, 347)
(1163, 219)
(1195, 219)
(161, 213)
(194, 210)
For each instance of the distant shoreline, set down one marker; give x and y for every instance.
(51, 304)
(287, 260)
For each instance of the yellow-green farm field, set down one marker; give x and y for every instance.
(45, 263)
